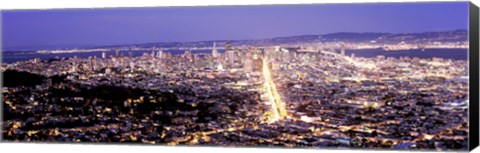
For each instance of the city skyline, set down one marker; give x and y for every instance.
(389, 90)
(74, 28)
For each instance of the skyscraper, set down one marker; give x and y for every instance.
(91, 63)
(228, 46)
(152, 58)
(248, 62)
(132, 66)
(214, 51)
(117, 53)
(277, 48)
(285, 55)
(160, 54)
(104, 55)
(230, 54)
(269, 52)
(230, 57)
(188, 55)
(152, 54)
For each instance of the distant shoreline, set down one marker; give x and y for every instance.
(167, 49)
(392, 41)
(448, 53)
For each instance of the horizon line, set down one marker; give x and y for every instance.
(217, 40)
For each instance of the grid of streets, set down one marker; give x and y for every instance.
(270, 96)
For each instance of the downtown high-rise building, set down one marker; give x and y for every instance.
(188, 55)
(104, 55)
(117, 53)
(248, 61)
(132, 66)
(285, 55)
(230, 54)
(92, 65)
(214, 51)
(230, 57)
(160, 54)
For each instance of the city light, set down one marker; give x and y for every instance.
(238, 97)
(278, 108)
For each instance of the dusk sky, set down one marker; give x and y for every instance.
(36, 29)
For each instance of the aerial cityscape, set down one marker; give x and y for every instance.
(374, 90)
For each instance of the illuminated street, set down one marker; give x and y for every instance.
(278, 108)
